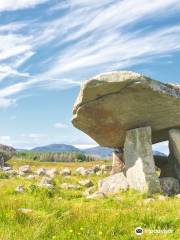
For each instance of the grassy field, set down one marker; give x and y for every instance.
(67, 215)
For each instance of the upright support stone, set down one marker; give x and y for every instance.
(118, 161)
(174, 156)
(139, 162)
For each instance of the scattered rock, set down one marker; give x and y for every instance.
(114, 183)
(96, 168)
(82, 171)
(106, 167)
(177, 195)
(31, 177)
(52, 172)
(70, 186)
(41, 171)
(86, 183)
(89, 191)
(96, 195)
(162, 198)
(12, 172)
(147, 200)
(20, 189)
(46, 182)
(25, 169)
(170, 185)
(25, 210)
(65, 172)
(5, 169)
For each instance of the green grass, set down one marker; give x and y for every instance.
(67, 215)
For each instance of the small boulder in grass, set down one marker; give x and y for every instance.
(25, 169)
(89, 191)
(46, 182)
(65, 172)
(96, 195)
(51, 172)
(25, 210)
(20, 189)
(70, 186)
(177, 196)
(41, 171)
(86, 183)
(31, 177)
(5, 169)
(148, 200)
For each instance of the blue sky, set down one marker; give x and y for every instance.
(49, 47)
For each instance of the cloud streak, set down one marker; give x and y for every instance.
(84, 39)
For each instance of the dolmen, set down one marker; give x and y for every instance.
(129, 112)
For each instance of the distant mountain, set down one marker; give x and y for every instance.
(55, 148)
(99, 151)
(158, 153)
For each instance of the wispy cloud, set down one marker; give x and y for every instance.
(11, 5)
(60, 125)
(86, 38)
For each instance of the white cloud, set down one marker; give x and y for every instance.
(60, 125)
(85, 146)
(90, 37)
(11, 5)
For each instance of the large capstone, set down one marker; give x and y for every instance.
(110, 104)
(139, 162)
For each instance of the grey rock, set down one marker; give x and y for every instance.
(70, 186)
(25, 210)
(25, 169)
(41, 171)
(148, 200)
(106, 167)
(65, 172)
(31, 177)
(118, 164)
(177, 195)
(6, 153)
(96, 195)
(170, 185)
(20, 189)
(174, 156)
(111, 103)
(52, 172)
(89, 191)
(113, 184)
(5, 169)
(96, 168)
(47, 182)
(139, 162)
(162, 198)
(86, 183)
(82, 171)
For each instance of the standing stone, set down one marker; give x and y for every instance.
(113, 184)
(139, 162)
(118, 161)
(174, 156)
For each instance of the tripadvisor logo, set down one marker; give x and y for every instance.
(139, 231)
